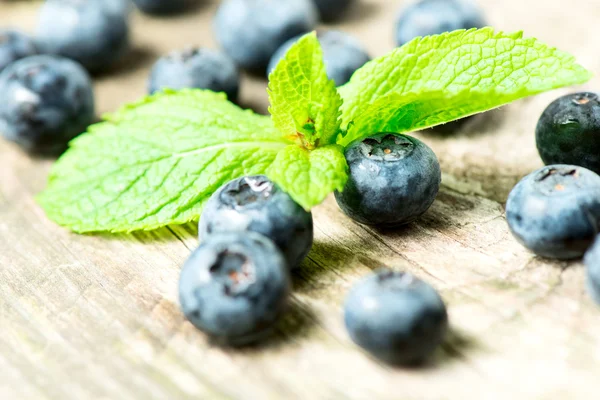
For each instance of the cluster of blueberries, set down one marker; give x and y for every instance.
(236, 284)
(555, 211)
(252, 235)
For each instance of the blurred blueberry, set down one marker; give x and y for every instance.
(393, 180)
(196, 68)
(342, 53)
(234, 286)
(555, 210)
(432, 17)
(330, 10)
(14, 45)
(94, 33)
(254, 203)
(161, 7)
(45, 102)
(250, 31)
(396, 317)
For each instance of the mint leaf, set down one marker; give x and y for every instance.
(437, 79)
(156, 162)
(305, 104)
(309, 176)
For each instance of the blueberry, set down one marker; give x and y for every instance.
(330, 10)
(14, 45)
(554, 210)
(46, 101)
(255, 204)
(568, 132)
(393, 180)
(94, 33)
(396, 317)
(433, 17)
(196, 68)
(234, 286)
(161, 7)
(342, 54)
(592, 265)
(250, 31)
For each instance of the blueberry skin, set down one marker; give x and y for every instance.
(554, 211)
(196, 68)
(396, 317)
(161, 7)
(234, 286)
(94, 33)
(255, 204)
(330, 10)
(393, 180)
(342, 54)
(46, 101)
(568, 132)
(592, 268)
(250, 31)
(433, 17)
(14, 45)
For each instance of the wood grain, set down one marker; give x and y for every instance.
(96, 317)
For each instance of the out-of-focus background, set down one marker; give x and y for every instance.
(96, 317)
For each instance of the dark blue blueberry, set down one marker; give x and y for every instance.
(255, 204)
(14, 46)
(234, 286)
(396, 317)
(432, 17)
(94, 33)
(393, 180)
(330, 10)
(161, 7)
(342, 54)
(250, 31)
(592, 265)
(46, 101)
(554, 211)
(196, 68)
(568, 131)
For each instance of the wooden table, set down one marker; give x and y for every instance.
(97, 317)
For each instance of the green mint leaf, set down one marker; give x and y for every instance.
(156, 162)
(437, 79)
(305, 104)
(310, 176)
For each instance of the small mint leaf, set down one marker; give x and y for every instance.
(156, 162)
(310, 176)
(305, 104)
(437, 79)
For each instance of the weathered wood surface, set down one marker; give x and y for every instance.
(96, 317)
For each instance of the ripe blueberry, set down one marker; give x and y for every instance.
(330, 10)
(342, 54)
(396, 317)
(46, 101)
(161, 7)
(393, 180)
(256, 204)
(568, 132)
(196, 68)
(554, 210)
(94, 33)
(433, 17)
(592, 265)
(14, 45)
(250, 31)
(234, 286)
